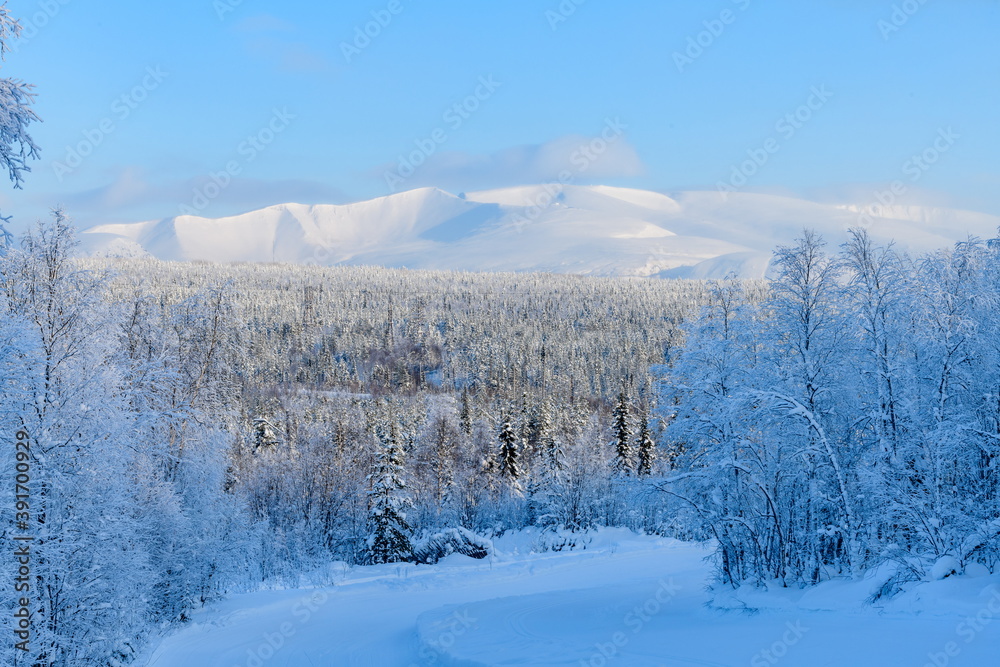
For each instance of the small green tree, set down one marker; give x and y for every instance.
(623, 435)
(389, 540)
(646, 447)
(509, 458)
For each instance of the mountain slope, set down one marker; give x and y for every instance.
(595, 230)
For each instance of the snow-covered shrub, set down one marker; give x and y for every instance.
(561, 539)
(434, 547)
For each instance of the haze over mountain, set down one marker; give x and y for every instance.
(587, 230)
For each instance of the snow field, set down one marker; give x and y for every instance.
(622, 600)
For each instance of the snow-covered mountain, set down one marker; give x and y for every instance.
(593, 230)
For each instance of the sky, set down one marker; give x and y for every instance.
(216, 107)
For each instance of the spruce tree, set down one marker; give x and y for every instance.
(623, 436)
(646, 447)
(389, 540)
(510, 470)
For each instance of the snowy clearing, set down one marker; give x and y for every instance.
(623, 600)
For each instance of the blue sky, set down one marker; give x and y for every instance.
(223, 106)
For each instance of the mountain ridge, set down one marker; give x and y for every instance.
(587, 230)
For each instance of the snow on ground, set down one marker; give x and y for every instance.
(623, 600)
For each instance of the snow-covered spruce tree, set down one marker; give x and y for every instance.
(389, 539)
(623, 463)
(645, 446)
(508, 456)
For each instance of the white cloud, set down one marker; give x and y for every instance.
(131, 196)
(587, 159)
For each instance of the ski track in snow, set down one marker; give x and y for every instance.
(625, 600)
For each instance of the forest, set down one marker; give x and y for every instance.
(197, 430)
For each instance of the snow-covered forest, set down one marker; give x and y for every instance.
(202, 429)
(198, 430)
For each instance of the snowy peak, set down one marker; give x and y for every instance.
(589, 230)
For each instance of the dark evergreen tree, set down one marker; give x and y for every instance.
(264, 434)
(389, 541)
(646, 447)
(623, 436)
(510, 450)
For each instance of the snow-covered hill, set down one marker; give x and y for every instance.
(591, 230)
